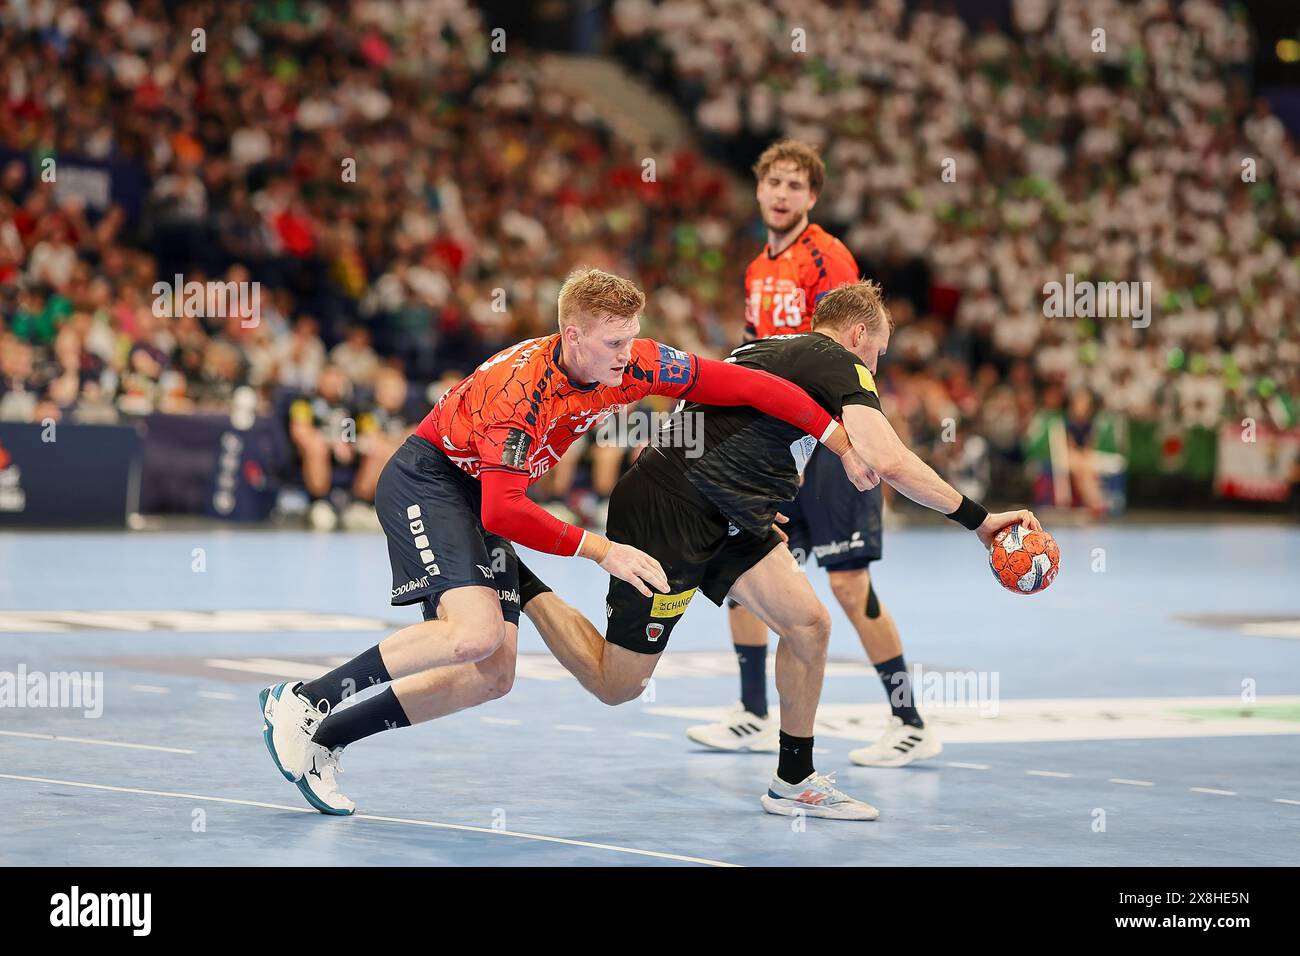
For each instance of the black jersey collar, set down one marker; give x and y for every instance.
(555, 358)
(768, 248)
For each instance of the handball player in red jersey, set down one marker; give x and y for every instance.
(452, 500)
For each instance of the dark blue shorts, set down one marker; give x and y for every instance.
(832, 521)
(429, 510)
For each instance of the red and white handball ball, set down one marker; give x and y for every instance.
(1023, 560)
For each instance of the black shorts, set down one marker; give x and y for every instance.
(429, 510)
(663, 515)
(831, 520)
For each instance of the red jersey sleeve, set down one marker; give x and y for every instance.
(658, 369)
(725, 383)
(508, 511)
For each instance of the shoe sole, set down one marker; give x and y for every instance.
(893, 764)
(790, 808)
(319, 804)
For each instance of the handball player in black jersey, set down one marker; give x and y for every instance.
(710, 517)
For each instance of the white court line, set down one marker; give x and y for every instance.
(1294, 803)
(89, 740)
(216, 695)
(1221, 793)
(576, 728)
(1046, 773)
(149, 689)
(650, 734)
(508, 721)
(968, 766)
(365, 816)
(1131, 783)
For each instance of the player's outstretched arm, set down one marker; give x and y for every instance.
(876, 441)
(725, 383)
(508, 511)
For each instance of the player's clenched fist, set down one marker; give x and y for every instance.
(859, 472)
(635, 567)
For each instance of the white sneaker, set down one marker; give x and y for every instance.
(898, 746)
(739, 730)
(319, 785)
(815, 796)
(359, 516)
(288, 723)
(322, 516)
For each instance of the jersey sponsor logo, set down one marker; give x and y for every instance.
(514, 453)
(548, 459)
(801, 450)
(410, 586)
(487, 572)
(671, 605)
(839, 547)
(508, 595)
(674, 366)
(653, 632)
(865, 378)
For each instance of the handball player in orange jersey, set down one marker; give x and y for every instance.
(452, 499)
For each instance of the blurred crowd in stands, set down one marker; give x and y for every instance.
(407, 202)
(1137, 156)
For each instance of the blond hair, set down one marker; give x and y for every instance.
(590, 295)
(804, 155)
(853, 302)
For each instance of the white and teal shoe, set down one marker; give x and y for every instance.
(319, 782)
(815, 796)
(288, 723)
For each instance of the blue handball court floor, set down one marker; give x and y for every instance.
(1145, 710)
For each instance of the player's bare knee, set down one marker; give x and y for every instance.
(811, 631)
(615, 694)
(850, 588)
(476, 639)
(501, 677)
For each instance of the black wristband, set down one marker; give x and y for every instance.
(969, 514)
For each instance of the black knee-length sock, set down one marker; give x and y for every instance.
(363, 719)
(753, 678)
(898, 689)
(365, 670)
